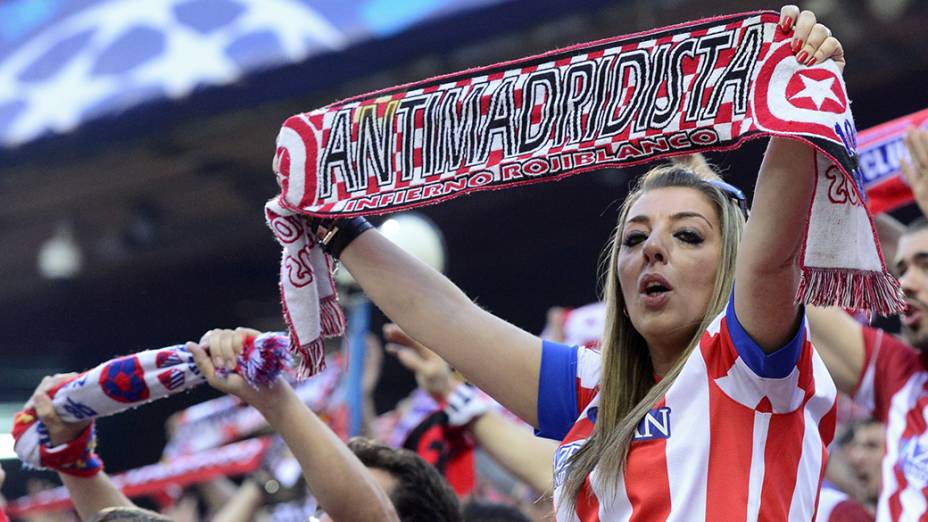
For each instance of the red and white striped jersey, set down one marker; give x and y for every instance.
(836, 506)
(740, 435)
(894, 387)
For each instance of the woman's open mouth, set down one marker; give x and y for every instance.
(654, 290)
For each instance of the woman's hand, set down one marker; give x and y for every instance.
(812, 42)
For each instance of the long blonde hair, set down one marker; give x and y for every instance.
(627, 389)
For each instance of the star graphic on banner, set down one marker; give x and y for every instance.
(817, 90)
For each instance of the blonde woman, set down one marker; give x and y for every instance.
(708, 402)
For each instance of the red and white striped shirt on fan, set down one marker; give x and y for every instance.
(740, 435)
(894, 387)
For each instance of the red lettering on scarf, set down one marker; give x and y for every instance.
(839, 191)
(299, 268)
(511, 171)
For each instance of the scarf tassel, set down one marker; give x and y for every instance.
(312, 360)
(312, 354)
(851, 289)
(333, 318)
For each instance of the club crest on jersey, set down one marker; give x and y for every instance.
(654, 425)
(913, 461)
(562, 457)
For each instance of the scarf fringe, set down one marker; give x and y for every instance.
(312, 358)
(333, 318)
(854, 289)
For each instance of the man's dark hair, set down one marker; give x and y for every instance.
(487, 512)
(421, 493)
(852, 427)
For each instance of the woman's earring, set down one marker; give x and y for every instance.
(624, 312)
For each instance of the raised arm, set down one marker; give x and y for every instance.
(839, 340)
(498, 357)
(889, 230)
(524, 455)
(767, 270)
(513, 446)
(88, 494)
(342, 485)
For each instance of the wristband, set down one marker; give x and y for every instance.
(76, 457)
(465, 404)
(340, 233)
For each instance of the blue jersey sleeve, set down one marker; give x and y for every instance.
(557, 390)
(773, 365)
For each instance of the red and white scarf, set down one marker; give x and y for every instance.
(307, 286)
(130, 381)
(163, 480)
(881, 148)
(693, 87)
(228, 461)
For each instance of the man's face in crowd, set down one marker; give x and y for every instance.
(911, 266)
(865, 455)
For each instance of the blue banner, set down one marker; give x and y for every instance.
(63, 63)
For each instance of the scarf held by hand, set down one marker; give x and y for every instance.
(694, 87)
(130, 381)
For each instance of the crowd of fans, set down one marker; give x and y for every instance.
(450, 452)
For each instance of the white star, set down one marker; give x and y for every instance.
(744, 386)
(817, 90)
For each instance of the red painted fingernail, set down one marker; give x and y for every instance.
(786, 25)
(811, 61)
(797, 44)
(801, 57)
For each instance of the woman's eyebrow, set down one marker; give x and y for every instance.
(685, 215)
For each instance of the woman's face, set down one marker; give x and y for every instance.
(667, 262)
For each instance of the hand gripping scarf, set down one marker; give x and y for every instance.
(881, 148)
(694, 87)
(128, 382)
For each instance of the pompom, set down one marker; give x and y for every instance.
(264, 358)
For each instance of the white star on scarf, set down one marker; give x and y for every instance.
(817, 90)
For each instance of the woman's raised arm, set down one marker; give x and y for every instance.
(500, 358)
(767, 272)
